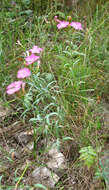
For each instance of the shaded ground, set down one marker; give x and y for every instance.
(15, 154)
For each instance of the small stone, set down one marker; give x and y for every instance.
(44, 176)
(23, 138)
(30, 145)
(56, 161)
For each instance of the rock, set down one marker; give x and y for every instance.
(105, 168)
(42, 175)
(56, 161)
(23, 138)
(30, 145)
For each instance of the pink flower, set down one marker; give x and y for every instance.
(56, 19)
(76, 25)
(31, 59)
(62, 24)
(14, 87)
(22, 73)
(36, 49)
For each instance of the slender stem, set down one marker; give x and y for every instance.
(26, 167)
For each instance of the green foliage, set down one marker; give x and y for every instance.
(40, 102)
(41, 105)
(40, 186)
(88, 155)
(103, 171)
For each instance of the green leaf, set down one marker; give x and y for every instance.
(26, 12)
(50, 115)
(88, 155)
(40, 186)
(67, 138)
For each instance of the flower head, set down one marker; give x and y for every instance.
(62, 24)
(56, 19)
(23, 73)
(14, 87)
(76, 25)
(36, 49)
(31, 59)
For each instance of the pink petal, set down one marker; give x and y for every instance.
(22, 73)
(36, 49)
(12, 90)
(31, 59)
(14, 87)
(14, 84)
(62, 24)
(76, 25)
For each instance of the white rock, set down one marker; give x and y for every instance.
(23, 138)
(44, 176)
(56, 161)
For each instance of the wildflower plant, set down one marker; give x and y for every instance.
(41, 105)
(41, 100)
(24, 72)
(64, 24)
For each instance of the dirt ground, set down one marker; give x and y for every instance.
(15, 154)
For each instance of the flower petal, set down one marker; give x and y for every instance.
(62, 24)
(76, 25)
(14, 84)
(31, 59)
(36, 49)
(23, 73)
(14, 87)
